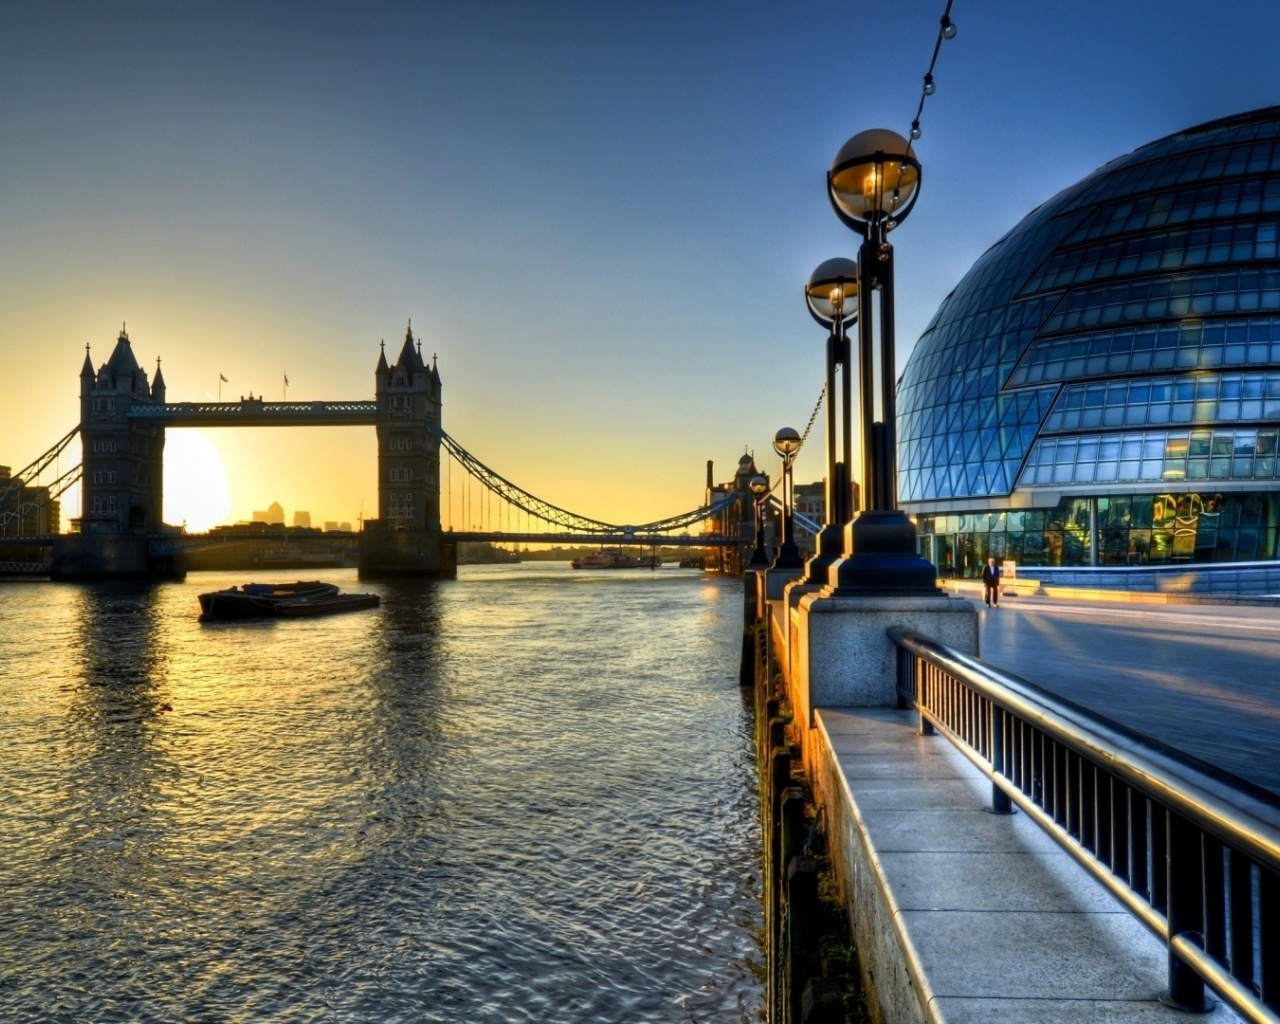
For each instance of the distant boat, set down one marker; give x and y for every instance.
(615, 558)
(286, 600)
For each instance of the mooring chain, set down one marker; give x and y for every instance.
(813, 418)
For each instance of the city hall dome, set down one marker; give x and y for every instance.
(1115, 356)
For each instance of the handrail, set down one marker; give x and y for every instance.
(1191, 850)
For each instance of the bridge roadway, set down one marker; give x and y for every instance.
(1203, 678)
(608, 540)
(255, 412)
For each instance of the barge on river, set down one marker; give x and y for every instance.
(303, 599)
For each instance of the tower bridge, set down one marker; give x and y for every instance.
(124, 413)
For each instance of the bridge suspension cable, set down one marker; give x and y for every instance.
(28, 476)
(570, 522)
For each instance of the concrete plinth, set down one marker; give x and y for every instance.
(790, 624)
(776, 581)
(108, 556)
(387, 554)
(844, 657)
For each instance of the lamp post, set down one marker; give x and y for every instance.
(759, 558)
(786, 442)
(873, 184)
(832, 297)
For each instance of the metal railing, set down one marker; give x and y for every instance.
(1190, 850)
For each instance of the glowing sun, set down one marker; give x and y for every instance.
(195, 481)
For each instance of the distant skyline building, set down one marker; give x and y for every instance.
(810, 502)
(273, 514)
(735, 519)
(1103, 386)
(302, 519)
(25, 510)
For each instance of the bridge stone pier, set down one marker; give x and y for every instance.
(123, 416)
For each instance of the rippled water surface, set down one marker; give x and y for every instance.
(526, 795)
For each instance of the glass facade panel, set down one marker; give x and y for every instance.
(1127, 332)
(1132, 529)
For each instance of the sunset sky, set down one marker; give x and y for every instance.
(599, 215)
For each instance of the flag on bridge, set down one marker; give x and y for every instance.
(223, 379)
(286, 380)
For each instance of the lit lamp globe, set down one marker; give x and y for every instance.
(786, 442)
(831, 295)
(874, 180)
(831, 292)
(759, 485)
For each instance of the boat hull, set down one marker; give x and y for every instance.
(260, 600)
(305, 608)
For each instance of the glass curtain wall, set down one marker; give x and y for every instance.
(1131, 529)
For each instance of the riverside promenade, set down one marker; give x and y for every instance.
(968, 916)
(1201, 676)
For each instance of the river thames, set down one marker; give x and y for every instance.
(524, 795)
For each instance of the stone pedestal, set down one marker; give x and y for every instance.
(791, 598)
(776, 582)
(844, 657)
(108, 556)
(387, 554)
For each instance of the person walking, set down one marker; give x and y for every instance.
(991, 583)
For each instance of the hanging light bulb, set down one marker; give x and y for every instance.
(915, 129)
(948, 28)
(929, 87)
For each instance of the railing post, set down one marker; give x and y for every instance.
(1185, 912)
(906, 677)
(1000, 802)
(923, 726)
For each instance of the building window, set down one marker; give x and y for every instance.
(107, 447)
(401, 405)
(104, 504)
(399, 505)
(104, 476)
(104, 408)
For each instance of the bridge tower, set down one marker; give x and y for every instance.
(122, 481)
(405, 539)
(122, 486)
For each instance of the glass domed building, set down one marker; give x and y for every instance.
(1103, 387)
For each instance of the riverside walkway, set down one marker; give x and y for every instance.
(1201, 677)
(968, 916)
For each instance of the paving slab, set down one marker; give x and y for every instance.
(994, 920)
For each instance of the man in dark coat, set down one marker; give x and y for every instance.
(991, 583)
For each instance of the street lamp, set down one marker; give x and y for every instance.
(786, 442)
(759, 558)
(873, 185)
(832, 297)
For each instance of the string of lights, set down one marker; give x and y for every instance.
(946, 30)
(813, 417)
